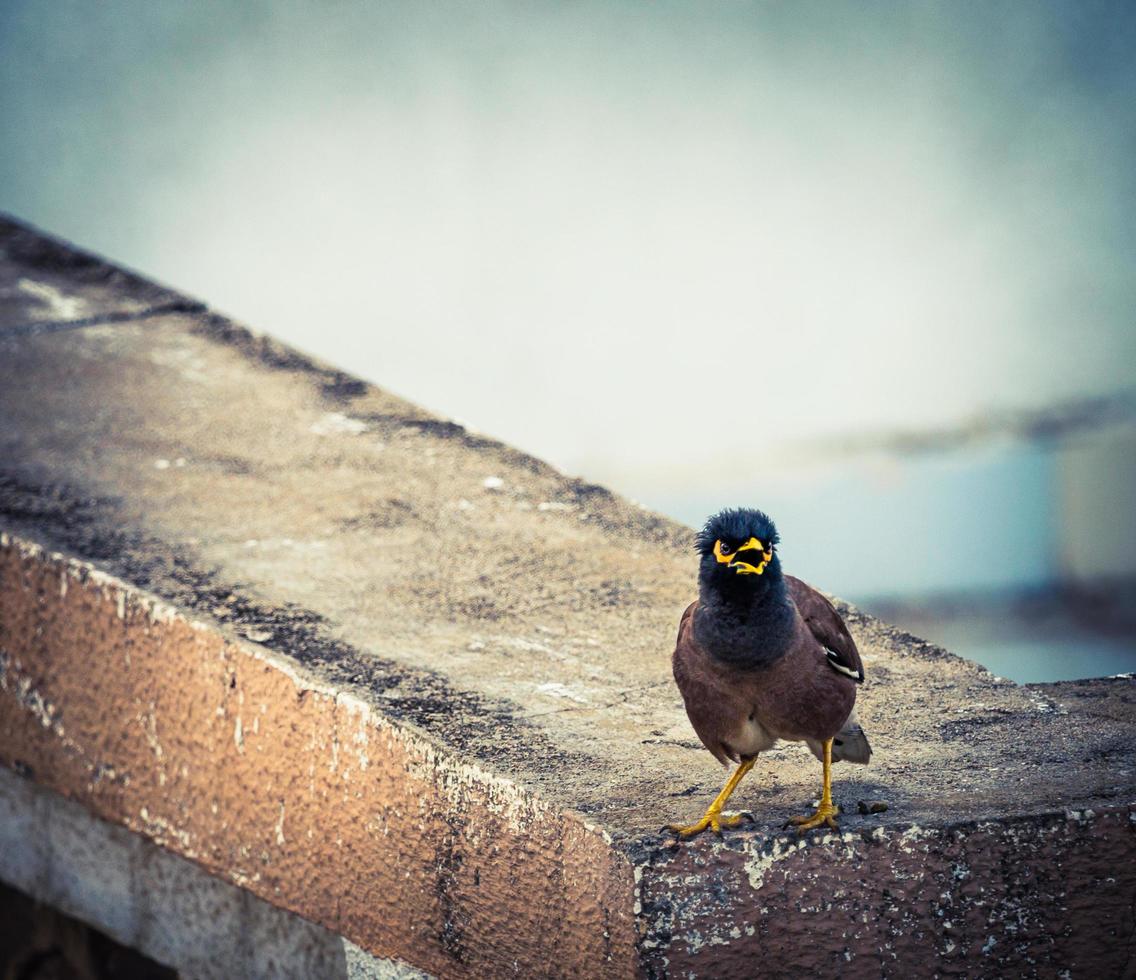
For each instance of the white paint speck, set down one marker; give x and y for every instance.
(280, 825)
(161, 464)
(557, 690)
(257, 635)
(60, 306)
(336, 423)
(493, 483)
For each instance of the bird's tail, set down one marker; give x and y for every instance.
(850, 743)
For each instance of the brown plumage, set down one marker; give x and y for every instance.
(799, 697)
(762, 656)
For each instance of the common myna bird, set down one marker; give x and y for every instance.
(762, 656)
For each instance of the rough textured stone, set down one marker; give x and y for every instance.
(417, 688)
(46, 283)
(145, 897)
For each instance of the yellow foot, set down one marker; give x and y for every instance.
(825, 814)
(714, 819)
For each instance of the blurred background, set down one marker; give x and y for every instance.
(867, 267)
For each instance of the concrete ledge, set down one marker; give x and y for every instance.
(414, 686)
(263, 773)
(149, 899)
(47, 284)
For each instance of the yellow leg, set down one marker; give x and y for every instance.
(826, 812)
(713, 818)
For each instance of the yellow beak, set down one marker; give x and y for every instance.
(744, 567)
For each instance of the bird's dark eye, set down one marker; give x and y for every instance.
(725, 549)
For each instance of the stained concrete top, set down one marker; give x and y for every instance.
(514, 614)
(46, 285)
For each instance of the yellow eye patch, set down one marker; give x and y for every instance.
(753, 544)
(722, 559)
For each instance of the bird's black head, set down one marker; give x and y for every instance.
(738, 552)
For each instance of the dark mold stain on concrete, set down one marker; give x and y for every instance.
(264, 349)
(33, 249)
(54, 326)
(448, 861)
(54, 260)
(606, 510)
(343, 387)
(444, 429)
(88, 527)
(387, 513)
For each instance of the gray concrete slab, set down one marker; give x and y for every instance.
(160, 904)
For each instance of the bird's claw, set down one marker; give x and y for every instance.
(714, 819)
(825, 815)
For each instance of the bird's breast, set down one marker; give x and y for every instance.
(751, 737)
(800, 697)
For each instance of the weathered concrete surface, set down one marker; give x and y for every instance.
(152, 900)
(447, 666)
(46, 284)
(263, 772)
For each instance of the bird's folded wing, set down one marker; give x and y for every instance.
(701, 695)
(825, 624)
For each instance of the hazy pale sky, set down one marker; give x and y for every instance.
(628, 237)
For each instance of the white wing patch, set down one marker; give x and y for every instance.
(835, 663)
